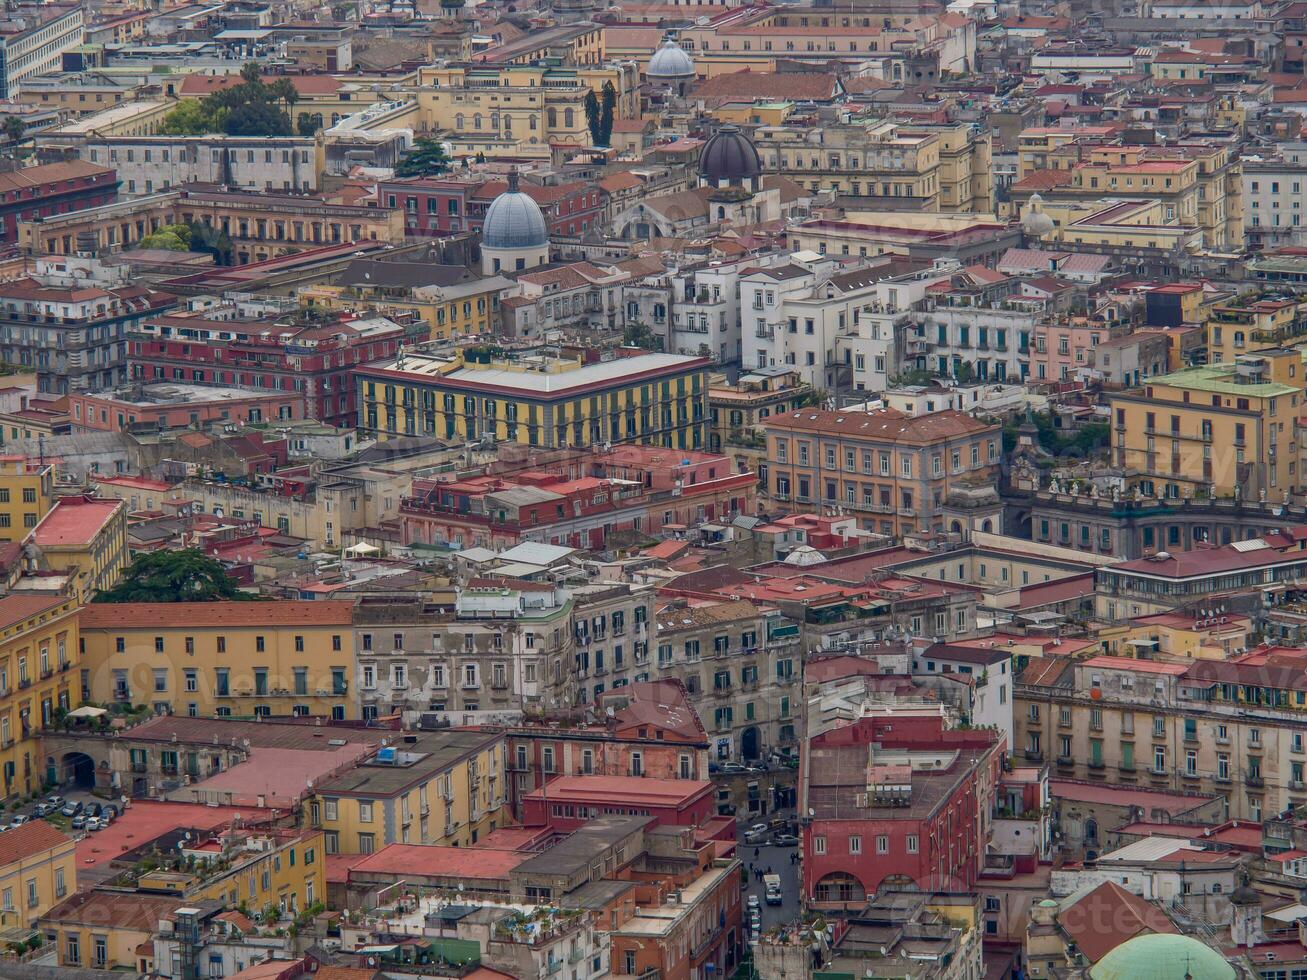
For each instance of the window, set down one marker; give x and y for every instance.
(882, 843)
(913, 843)
(365, 811)
(819, 845)
(855, 844)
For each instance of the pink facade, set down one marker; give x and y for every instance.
(1058, 350)
(104, 413)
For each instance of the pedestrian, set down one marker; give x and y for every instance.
(756, 853)
(769, 869)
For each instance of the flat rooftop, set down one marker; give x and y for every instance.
(433, 752)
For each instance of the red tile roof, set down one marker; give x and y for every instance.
(201, 615)
(632, 790)
(1108, 916)
(75, 521)
(33, 837)
(440, 861)
(884, 425)
(798, 86)
(16, 608)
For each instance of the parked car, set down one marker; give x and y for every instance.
(754, 904)
(79, 821)
(731, 767)
(110, 811)
(19, 820)
(55, 802)
(43, 809)
(785, 840)
(96, 823)
(94, 809)
(71, 809)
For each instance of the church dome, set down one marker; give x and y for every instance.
(1035, 222)
(1162, 956)
(514, 221)
(670, 63)
(729, 157)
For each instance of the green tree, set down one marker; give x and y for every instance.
(640, 335)
(609, 104)
(427, 159)
(188, 118)
(174, 576)
(592, 120)
(14, 129)
(214, 241)
(256, 118)
(308, 123)
(175, 238)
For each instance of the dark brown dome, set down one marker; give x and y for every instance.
(730, 157)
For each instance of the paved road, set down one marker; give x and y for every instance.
(778, 859)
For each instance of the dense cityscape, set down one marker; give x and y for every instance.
(654, 490)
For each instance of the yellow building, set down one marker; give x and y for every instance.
(462, 304)
(1247, 323)
(85, 538)
(222, 659)
(444, 787)
(265, 867)
(511, 105)
(39, 651)
(107, 929)
(1213, 429)
(26, 488)
(38, 869)
(538, 399)
(1037, 146)
(1171, 634)
(1127, 224)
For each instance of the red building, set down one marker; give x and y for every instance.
(178, 406)
(895, 799)
(653, 732)
(436, 206)
(54, 188)
(312, 362)
(568, 802)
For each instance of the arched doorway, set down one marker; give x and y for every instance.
(956, 528)
(79, 770)
(749, 743)
(897, 883)
(839, 886)
(987, 525)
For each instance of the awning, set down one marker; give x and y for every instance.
(362, 548)
(87, 711)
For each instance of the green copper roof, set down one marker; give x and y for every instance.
(1215, 378)
(1162, 957)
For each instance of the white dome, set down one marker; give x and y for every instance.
(804, 555)
(670, 62)
(1034, 222)
(514, 221)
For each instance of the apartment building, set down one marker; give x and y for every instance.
(26, 495)
(740, 663)
(1251, 323)
(222, 659)
(1274, 197)
(38, 47)
(447, 787)
(1217, 430)
(68, 321)
(39, 650)
(896, 800)
(538, 400)
(52, 188)
(37, 871)
(504, 650)
(893, 471)
(84, 538)
(1233, 729)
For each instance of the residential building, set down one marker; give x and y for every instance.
(85, 539)
(738, 662)
(26, 495)
(261, 226)
(971, 239)
(313, 360)
(890, 469)
(653, 731)
(1225, 729)
(38, 46)
(52, 188)
(566, 803)
(69, 321)
(896, 800)
(1250, 323)
(437, 207)
(222, 659)
(447, 788)
(539, 400)
(503, 650)
(739, 412)
(105, 930)
(38, 871)
(38, 651)
(1274, 197)
(1205, 412)
(150, 163)
(178, 405)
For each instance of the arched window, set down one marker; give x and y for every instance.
(476, 122)
(553, 117)
(839, 886)
(458, 121)
(569, 118)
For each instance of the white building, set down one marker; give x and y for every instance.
(1275, 198)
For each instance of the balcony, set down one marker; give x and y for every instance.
(1033, 755)
(47, 673)
(1254, 782)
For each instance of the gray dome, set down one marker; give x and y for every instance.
(670, 62)
(514, 221)
(730, 157)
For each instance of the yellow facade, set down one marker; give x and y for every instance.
(290, 874)
(452, 792)
(39, 656)
(33, 881)
(654, 399)
(222, 659)
(1214, 429)
(753, 113)
(472, 312)
(26, 495)
(1174, 635)
(1135, 224)
(1249, 324)
(86, 539)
